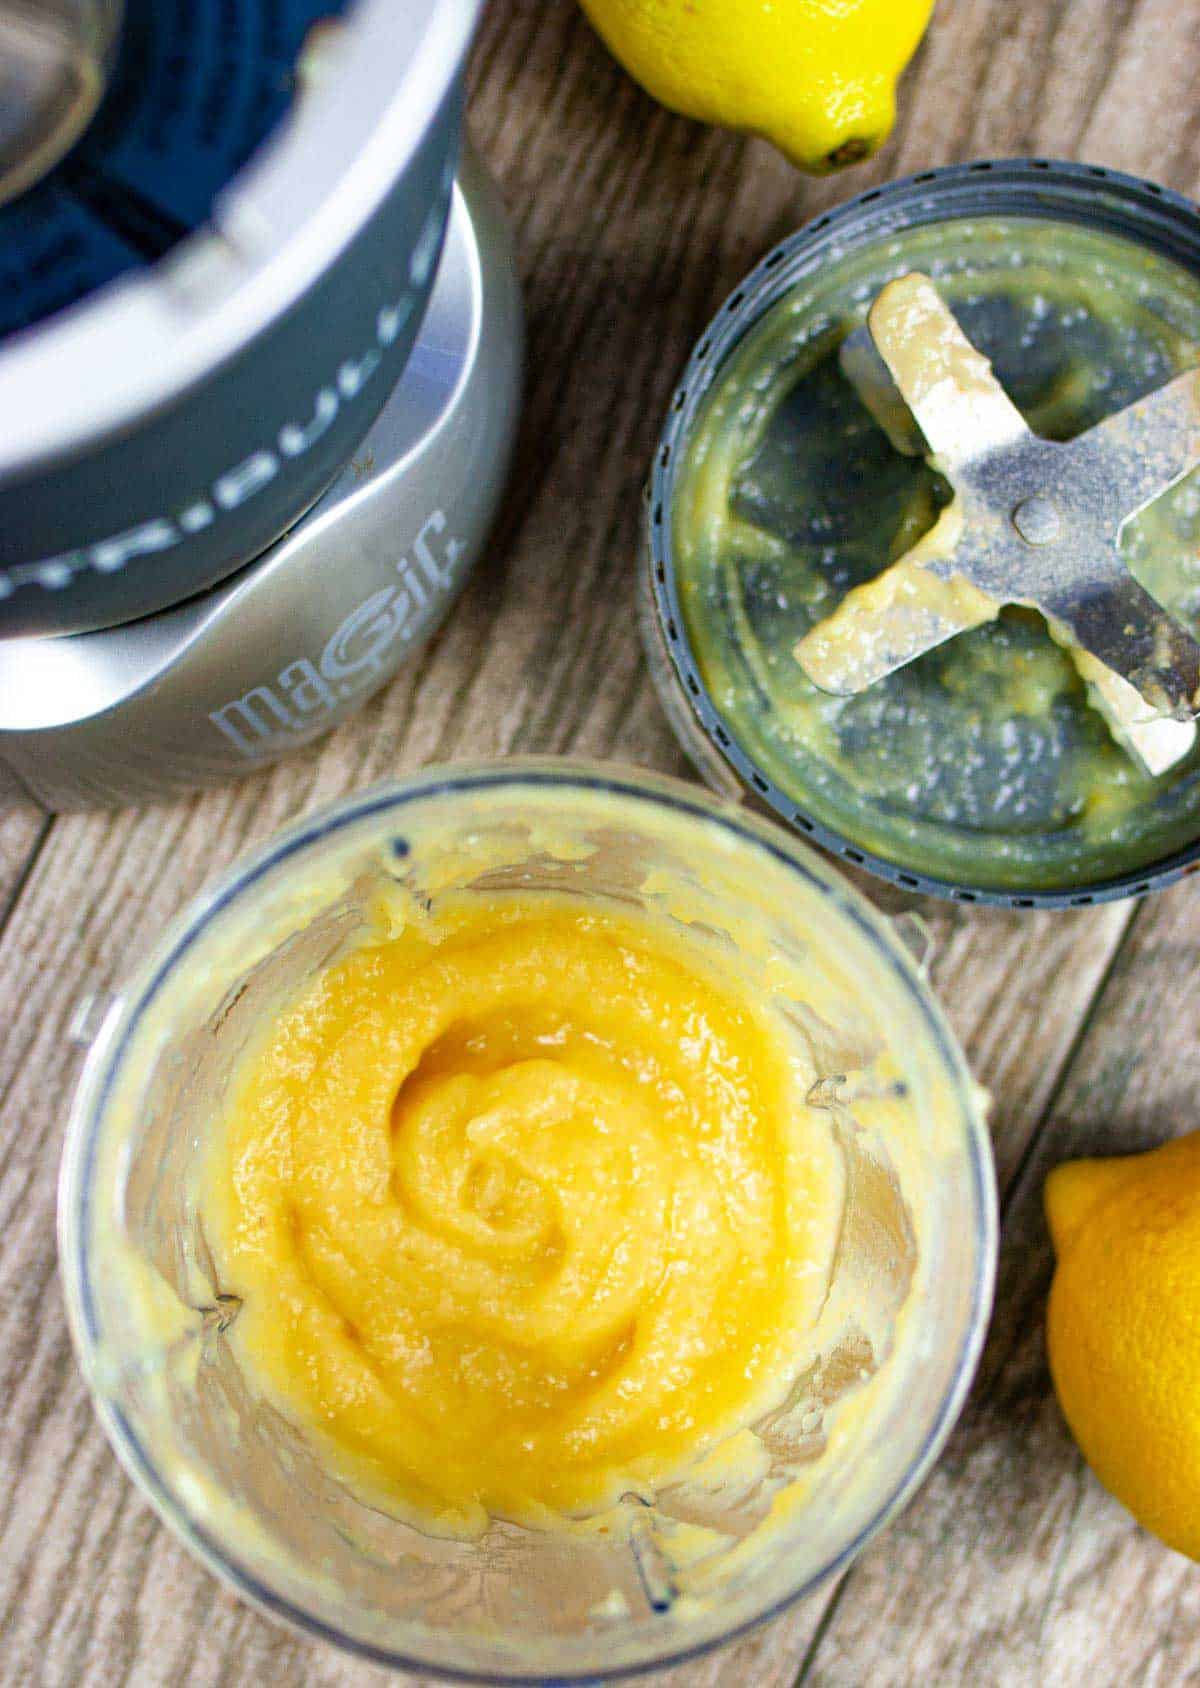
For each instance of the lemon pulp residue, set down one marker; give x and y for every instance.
(525, 1209)
(983, 760)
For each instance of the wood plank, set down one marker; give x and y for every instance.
(973, 94)
(999, 1554)
(633, 225)
(23, 830)
(1014, 1565)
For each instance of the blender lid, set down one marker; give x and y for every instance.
(987, 777)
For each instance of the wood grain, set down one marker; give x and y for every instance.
(1009, 1492)
(1013, 1565)
(23, 829)
(632, 226)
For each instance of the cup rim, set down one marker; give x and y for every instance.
(103, 1062)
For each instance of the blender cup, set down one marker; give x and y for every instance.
(905, 1306)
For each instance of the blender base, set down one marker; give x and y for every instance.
(284, 649)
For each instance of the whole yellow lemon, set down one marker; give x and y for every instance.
(1123, 1328)
(817, 77)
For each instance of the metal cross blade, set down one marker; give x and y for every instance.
(1032, 522)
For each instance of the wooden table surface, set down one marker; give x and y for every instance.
(1012, 1565)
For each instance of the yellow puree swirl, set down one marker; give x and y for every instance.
(526, 1212)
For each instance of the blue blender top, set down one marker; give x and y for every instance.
(196, 89)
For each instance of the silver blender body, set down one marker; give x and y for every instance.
(265, 346)
(284, 649)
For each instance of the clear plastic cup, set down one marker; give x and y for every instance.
(862, 1424)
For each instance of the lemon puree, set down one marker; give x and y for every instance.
(525, 1210)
